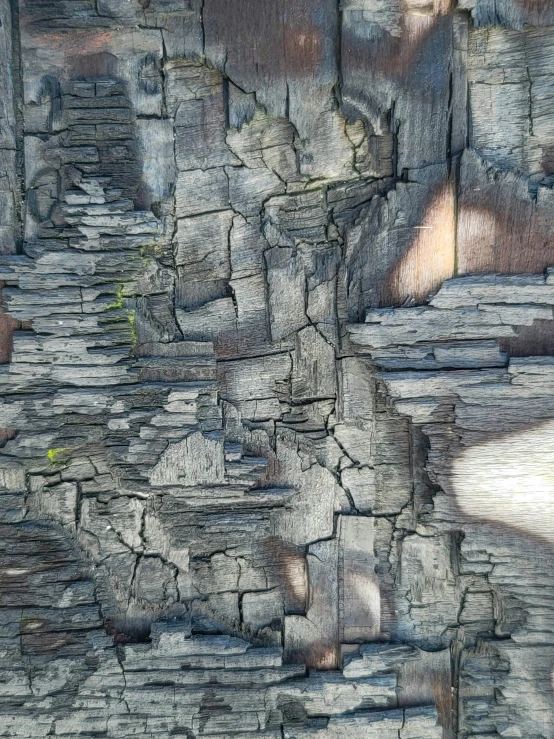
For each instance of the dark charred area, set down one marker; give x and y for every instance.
(277, 369)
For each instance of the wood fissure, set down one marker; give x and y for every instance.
(276, 369)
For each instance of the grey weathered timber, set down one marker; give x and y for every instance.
(277, 369)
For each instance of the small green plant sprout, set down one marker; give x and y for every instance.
(53, 454)
(118, 298)
(147, 252)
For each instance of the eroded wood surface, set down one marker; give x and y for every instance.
(277, 419)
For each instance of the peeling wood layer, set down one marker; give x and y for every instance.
(276, 369)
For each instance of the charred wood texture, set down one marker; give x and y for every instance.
(277, 369)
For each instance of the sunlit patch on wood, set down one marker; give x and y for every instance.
(431, 257)
(501, 226)
(505, 240)
(476, 252)
(510, 480)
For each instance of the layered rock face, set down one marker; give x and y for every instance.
(277, 369)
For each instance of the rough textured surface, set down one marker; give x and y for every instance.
(277, 369)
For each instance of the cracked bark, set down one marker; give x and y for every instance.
(277, 377)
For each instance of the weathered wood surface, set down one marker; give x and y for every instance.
(277, 369)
